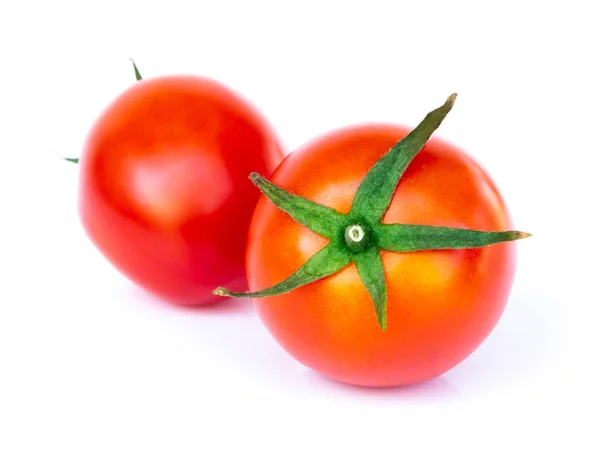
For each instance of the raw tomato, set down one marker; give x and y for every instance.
(378, 257)
(164, 191)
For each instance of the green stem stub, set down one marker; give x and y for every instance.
(357, 237)
(354, 235)
(360, 241)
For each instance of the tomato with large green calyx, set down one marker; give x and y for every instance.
(163, 170)
(383, 257)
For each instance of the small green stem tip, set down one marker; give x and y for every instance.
(70, 160)
(138, 76)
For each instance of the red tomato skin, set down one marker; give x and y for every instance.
(164, 191)
(441, 304)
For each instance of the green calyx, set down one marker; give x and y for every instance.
(359, 236)
(138, 77)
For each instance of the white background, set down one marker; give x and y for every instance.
(89, 361)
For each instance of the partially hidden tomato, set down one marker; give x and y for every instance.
(364, 290)
(164, 191)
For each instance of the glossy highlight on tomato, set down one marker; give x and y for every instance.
(164, 191)
(441, 304)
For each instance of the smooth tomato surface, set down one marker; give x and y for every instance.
(164, 189)
(441, 304)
